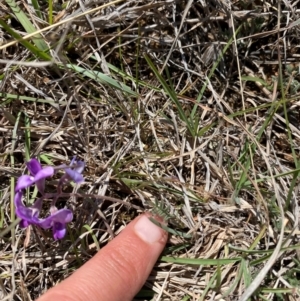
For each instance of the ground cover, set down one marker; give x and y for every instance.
(189, 109)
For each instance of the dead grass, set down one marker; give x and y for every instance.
(212, 144)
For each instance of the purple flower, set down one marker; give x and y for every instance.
(38, 176)
(73, 173)
(57, 220)
(28, 215)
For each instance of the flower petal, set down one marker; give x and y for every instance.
(34, 166)
(59, 230)
(18, 199)
(46, 223)
(74, 175)
(37, 206)
(72, 172)
(79, 166)
(62, 216)
(40, 177)
(23, 224)
(24, 182)
(29, 215)
(40, 185)
(45, 172)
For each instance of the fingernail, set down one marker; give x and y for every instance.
(148, 231)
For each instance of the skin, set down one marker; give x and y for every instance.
(119, 270)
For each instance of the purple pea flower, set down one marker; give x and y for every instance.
(58, 218)
(73, 173)
(38, 176)
(58, 221)
(30, 216)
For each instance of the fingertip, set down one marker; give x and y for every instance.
(148, 231)
(120, 268)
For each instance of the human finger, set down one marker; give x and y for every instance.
(118, 270)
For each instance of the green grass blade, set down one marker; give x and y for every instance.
(90, 231)
(246, 272)
(50, 13)
(27, 137)
(235, 282)
(101, 77)
(11, 227)
(254, 79)
(37, 8)
(1, 215)
(46, 159)
(209, 286)
(200, 261)
(170, 230)
(212, 70)
(243, 177)
(9, 97)
(34, 50)
(170, 92)
(28, 26)
(290, 139)
(129, 77)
